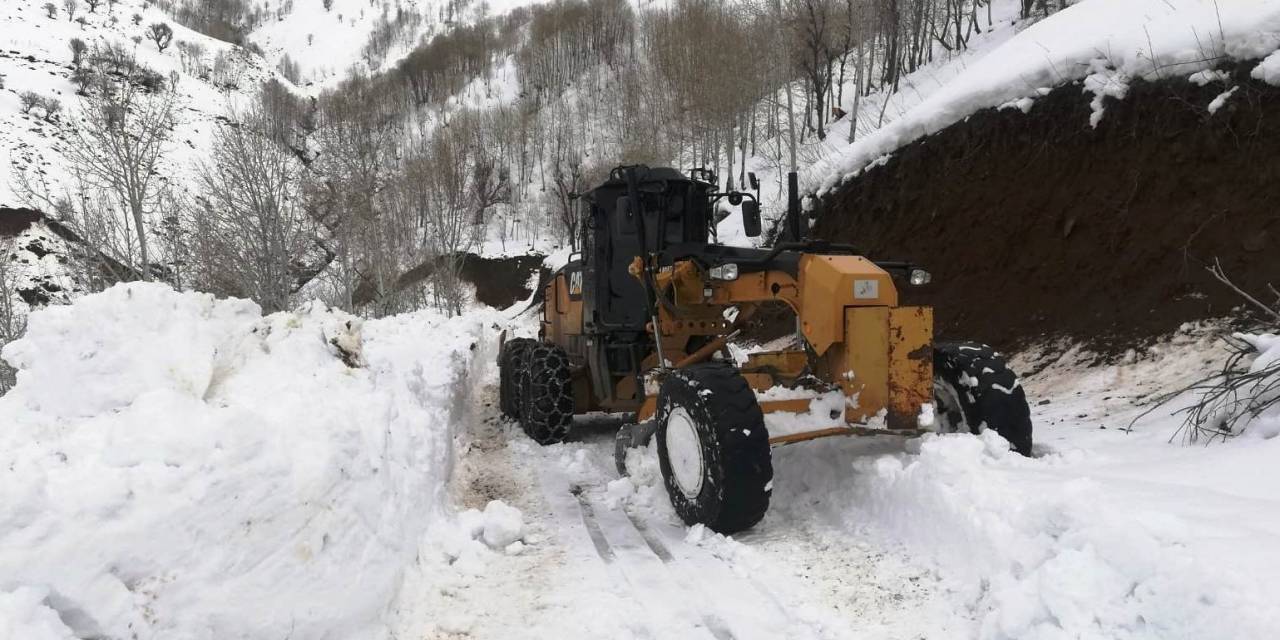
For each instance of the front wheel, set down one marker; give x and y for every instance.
(713, 448)
(974, 390)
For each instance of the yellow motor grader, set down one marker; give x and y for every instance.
(640, 323)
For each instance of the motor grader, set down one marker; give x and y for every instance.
(640, 321)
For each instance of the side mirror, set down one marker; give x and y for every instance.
(751, 218)
(753, 181)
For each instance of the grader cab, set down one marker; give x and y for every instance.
(640, 322)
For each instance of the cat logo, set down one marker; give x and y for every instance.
(575, 283)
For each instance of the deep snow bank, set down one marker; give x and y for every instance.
(175, 466)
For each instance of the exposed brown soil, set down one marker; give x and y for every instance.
(15, 221)
(1038, 226)
(499, 282)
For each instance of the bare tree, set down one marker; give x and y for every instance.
(566, 173)
(250, 225)
(814, 37)
(70, 7)
(357, 135)
(116, 146)
(449, 232)
(78, 49)
(161, 34)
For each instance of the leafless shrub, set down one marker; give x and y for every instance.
(13, 320)
(52, 108)
(1231, 398)
(78, 49)
(29, 100)
(161, 34)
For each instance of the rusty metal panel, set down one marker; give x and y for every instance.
(759, 381)
(794, 405)
(866, 361)
(910, 364)
(785, 364)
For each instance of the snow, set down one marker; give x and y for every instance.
(825, 410)
(170, 458)
(1266, 424)
(1102, 43)
(178, 466)
(273, 479)
(328, 44)
(503, 525)
(1222, 98)
(1268, 70)
(1105, 534)
(35, 56)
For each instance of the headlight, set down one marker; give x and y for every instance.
(920, 277)
(725, 272)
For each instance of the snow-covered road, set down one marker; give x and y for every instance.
(608, 558)
(1105, 534)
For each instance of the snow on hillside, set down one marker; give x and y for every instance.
(1102, 43)
(37, 263)
(35, 55)
(175, 466)
(327, 44)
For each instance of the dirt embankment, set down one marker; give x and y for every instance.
(1036, 225)
(499, 282)
(502, 282)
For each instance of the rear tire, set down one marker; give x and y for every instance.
(974, 390)
(546, 393)
(510, 364)
(713, 448)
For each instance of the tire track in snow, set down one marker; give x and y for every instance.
(655, 544)
(648, 576)
(593, 528)
(714, 624)
(714, 588)
(564, 502)
(730, 585)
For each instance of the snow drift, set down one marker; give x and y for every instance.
(176, 466)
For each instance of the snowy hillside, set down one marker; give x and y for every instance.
(329, 40)
(36, 56)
